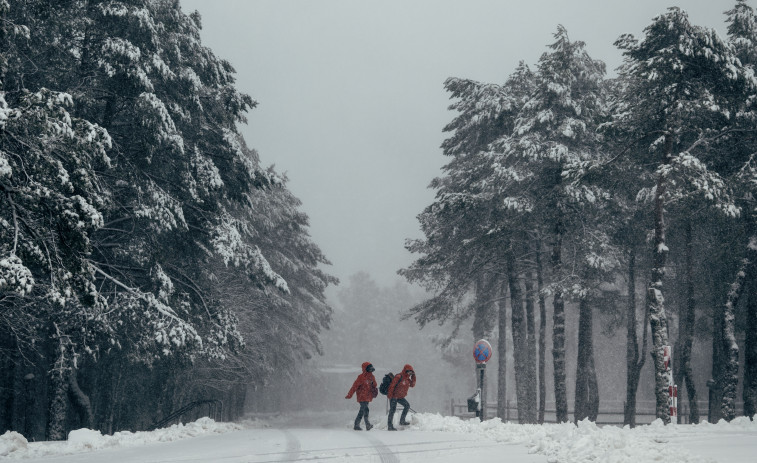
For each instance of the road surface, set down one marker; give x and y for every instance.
(332, 445)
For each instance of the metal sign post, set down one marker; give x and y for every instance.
(482, 353)
(481, 370)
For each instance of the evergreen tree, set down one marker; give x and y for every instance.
(129, 202)
(678, 78)
(742, 34)
(467, 211)
(554, 131)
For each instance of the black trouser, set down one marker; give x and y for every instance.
(363, 413)
(393, 407)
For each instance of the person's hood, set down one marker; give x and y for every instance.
(407, 367)
(365, 365)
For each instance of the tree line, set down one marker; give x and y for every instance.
(568, 190)
(147, 259)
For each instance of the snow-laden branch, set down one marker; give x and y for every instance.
(151, 301)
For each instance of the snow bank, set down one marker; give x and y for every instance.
(586, 442)
(14, 445)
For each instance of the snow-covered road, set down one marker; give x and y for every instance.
(429, 438)
(312, 445)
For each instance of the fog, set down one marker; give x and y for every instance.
(178, 234)
(352, 107)
(367, 327)
(351, 102)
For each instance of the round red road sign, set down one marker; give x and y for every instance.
(482, 352)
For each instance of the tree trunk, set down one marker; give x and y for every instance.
(7, 375)
(113, 405)
(502, 362)
(483, 316)
(558, 331)
(109, 112)
(30, 414)
(750, 352)
(632, 346)
(7, 366)
(718, 356)
(517, 327)
(81, 400)
(3, 45)
(56, 420)
(655, 300)
(21, 404)
(682, 371)
(531, 351)
(542, 334)
(587, 393)
(728, 339)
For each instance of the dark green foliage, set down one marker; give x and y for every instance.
(144, 253)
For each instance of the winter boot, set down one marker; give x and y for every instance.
(391, 427)
(368, 426)
(357, 428)
(404, 423)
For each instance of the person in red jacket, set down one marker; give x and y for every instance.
(397, 392)
(365, 386)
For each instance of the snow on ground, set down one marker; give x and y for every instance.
(587, 442)
(14, 445)
(430, 437)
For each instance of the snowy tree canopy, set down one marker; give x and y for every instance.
(131, 205)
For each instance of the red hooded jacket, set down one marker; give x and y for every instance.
(364, 385)
(401, 383)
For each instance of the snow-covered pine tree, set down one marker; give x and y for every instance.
(742, 34)
(148, 208)
(281, 232)
(53, 196)
(448, 269)
(295, 318)
(553, 130)
(512, 224)
(455, 218)
(678, 80)
(466, 213)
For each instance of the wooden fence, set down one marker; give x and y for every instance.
(610, 412)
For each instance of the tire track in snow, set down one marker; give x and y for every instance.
(385, 454)
(293, 448)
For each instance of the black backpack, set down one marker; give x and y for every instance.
(384, 387)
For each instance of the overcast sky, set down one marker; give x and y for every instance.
(351, 101)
